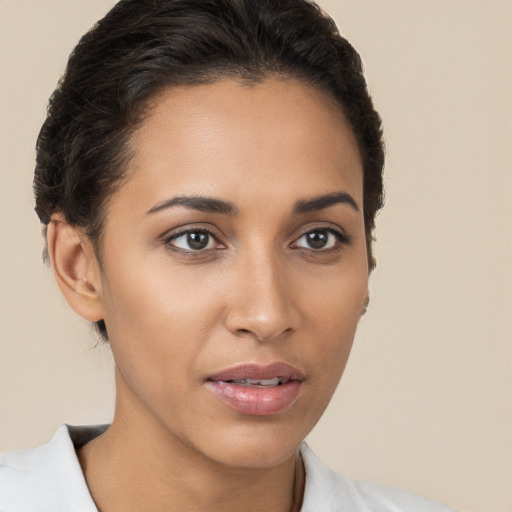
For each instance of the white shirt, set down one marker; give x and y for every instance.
(49, 479)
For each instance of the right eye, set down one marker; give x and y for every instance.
(193, 240)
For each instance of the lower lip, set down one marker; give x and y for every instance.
(256, 401)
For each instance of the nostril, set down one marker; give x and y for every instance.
(262, 336)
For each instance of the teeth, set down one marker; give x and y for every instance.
(264, 383)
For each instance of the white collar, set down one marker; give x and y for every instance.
(49, 479)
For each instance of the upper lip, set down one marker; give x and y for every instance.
(258, 372)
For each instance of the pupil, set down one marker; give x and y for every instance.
(317, 239)
(197, 241)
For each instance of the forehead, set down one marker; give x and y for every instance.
(272, 140)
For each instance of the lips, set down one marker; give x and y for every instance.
(257, 390)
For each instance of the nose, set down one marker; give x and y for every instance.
(261, 303)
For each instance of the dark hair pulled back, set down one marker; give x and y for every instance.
(143, 46)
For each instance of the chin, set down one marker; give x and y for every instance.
(257, 447)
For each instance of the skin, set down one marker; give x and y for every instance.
(259, 293)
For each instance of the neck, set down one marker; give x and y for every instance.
(138, 465)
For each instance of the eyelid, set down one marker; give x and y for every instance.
(185, 231)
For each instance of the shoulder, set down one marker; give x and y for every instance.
(326, 491)
(47, 478)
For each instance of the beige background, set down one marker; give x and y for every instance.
(426, 401)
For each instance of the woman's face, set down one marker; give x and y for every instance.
(234, 268)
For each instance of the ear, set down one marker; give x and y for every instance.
(366, 303)
(76, 268)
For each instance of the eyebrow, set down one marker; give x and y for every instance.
(325, 201)
(202, 204)
(212, 205)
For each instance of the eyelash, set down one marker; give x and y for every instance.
(342, 239)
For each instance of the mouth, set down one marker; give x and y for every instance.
(265, 383)
(257, 390)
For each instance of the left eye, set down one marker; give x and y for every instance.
(197, 240)
(318, 239)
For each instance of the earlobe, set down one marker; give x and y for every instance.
(75, 267)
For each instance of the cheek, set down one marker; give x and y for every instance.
(334, 310)
(149, 297)
(157, 319)
(334, 301)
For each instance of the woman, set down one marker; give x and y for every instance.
(208, 175)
